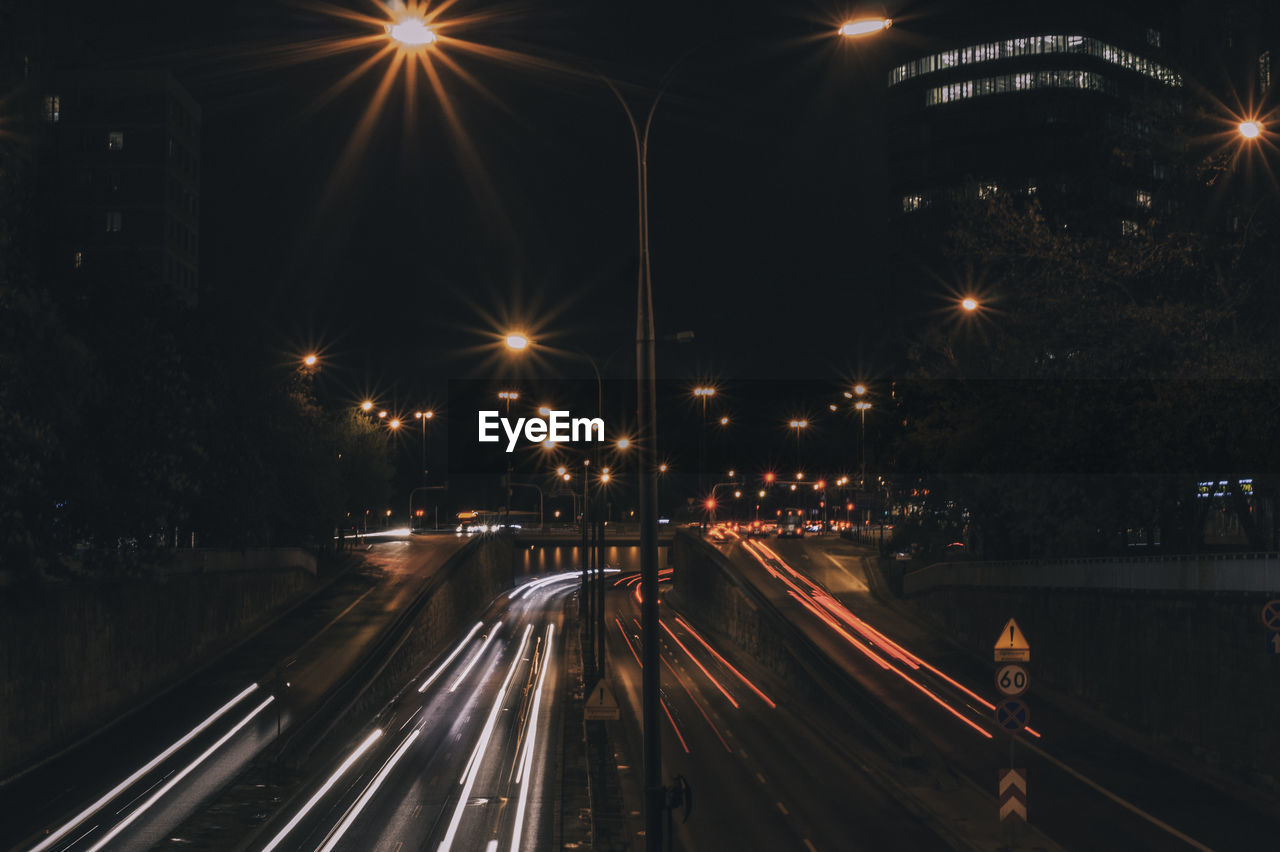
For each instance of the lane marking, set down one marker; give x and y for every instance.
(809, 846)
(784, 810)
(761, 777)
(1156, 821)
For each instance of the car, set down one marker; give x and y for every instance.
(757, 529)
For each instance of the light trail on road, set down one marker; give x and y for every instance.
(152, 764)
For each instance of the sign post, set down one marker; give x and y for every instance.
(1013, 794)
(1271, 621)
(1012, 714)
(601, 706)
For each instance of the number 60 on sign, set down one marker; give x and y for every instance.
(1012, 680)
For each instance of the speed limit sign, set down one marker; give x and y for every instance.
(1012, 680)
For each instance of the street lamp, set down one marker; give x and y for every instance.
(724, 421)
(422, 417)
(1250, 129)
(311, 359)
(517, 341)
(507, 398)
(411, 32)
(366, 406)
(862, 408)
(970, 304)
(702, 393)
(864, 27)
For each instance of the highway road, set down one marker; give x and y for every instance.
(465, 757)
(766, 771)
(1087, 789)
(130, 785)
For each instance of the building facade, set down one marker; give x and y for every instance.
(1062, 103)
(120, 180)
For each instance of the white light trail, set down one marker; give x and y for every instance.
(473, 765)
(173, 782)
(493, 631)
(530, 743)
(369, 792)
(155, 761)
(456, 651)
(333, 779)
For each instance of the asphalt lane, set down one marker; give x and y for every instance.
(767, 772)
(464, 758)
(1086, 786)
(130, 785)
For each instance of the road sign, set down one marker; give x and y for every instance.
(1271, 615)
(1012, 680)
(1012, 714)
(1011, 646)
(1274, 643)
(601, 706)
(1013, 794)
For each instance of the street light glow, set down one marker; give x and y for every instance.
(1249, 129)
(382, 415)
(865, 26)
(969, 304)
(366, 405)
(311, 358)
(411, 32)
(395, 423)
(724, 421)
(860, 389)
(704, 391)
(623, 443)
(517, 341)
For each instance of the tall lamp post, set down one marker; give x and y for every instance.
(423, 417)
(508, 397)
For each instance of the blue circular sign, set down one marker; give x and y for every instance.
(1012, 714)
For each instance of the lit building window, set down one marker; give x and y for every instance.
(77, 259)
(52, 108)
(988, 190)
(1023, 81)
(912, 202)
(115, 140)
(1035, 46)
(1143, 199)
(1128, 228)
(1264, 70)
(113, 221)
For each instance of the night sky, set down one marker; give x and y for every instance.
(766, 184)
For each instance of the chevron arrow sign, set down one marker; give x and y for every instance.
(1013, 794)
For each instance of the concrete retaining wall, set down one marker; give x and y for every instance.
(452, 600)
(203, 561)
(74, 657)
(1192, 671)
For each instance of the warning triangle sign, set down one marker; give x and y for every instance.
(1011, 645)
(600, 704)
